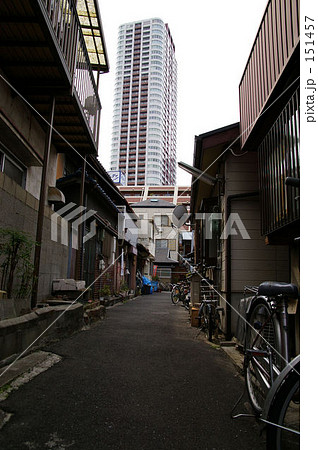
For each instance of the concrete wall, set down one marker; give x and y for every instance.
(16, 335)
(23, 137)
(19, 211)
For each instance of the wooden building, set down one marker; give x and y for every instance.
(250, 162)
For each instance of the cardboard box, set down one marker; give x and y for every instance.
(195, 317)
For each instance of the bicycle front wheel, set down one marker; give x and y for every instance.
(284, 412)
(175, 295)
(262, 337)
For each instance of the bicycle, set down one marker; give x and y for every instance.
(267, 349)
(209, 318)
(272, 378)
(181, 293)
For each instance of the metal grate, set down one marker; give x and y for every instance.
(278, 159)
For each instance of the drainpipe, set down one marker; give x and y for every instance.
(79, 251)
(42, 200)
(229, 260)
(97, 119)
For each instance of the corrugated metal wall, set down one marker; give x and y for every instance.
(275, 42)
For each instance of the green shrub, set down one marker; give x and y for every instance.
(15, 263)
(105, 291)
(124, 286)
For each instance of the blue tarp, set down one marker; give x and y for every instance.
(146, 281)
(149, 286)
(155, 285)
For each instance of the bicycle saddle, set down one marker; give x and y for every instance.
(273, 288)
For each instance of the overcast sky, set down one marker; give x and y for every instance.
(213, 40)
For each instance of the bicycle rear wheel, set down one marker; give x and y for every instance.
(262, 335)
(175, 295)
(285, 411)
(207, 321)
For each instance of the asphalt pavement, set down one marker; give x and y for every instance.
(141, 378)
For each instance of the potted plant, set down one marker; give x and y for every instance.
(124, 288)
(105, 292)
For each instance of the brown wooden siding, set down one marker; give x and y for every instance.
(252, 260)
(275, 42)
(241, 174)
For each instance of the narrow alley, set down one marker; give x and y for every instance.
(140, 379)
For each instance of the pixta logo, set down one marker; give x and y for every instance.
(167, 225)
(70, 219)
(233, 226)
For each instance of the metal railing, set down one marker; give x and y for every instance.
(67, 29)
(279, 159)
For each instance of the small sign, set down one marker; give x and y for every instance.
(118, 177)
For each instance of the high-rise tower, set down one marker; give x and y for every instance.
(145, 104)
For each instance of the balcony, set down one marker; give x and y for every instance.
(46, 51)
(271, 68)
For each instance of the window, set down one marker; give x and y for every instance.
(164, 272)
(153, 166)
(161, 243)
(161, 220)
(153, 180)
(11, 167)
